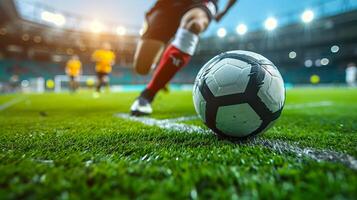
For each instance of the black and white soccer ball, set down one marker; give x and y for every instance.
(239, 94)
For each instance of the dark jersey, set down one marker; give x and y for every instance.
(210, 5)
(164, 18)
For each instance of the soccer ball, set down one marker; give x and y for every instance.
(239, 94)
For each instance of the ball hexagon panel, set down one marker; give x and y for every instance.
(229, 79)
(206, 69)
(272, 70)
(215, 66)
(212, 84)
(236, 63)
(272, 92)
(200, 104)
(237, 120)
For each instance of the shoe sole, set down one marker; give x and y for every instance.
(138, 113)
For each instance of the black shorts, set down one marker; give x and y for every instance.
(73, 78)
(102, 75)
(163, 20)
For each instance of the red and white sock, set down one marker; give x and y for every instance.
(176, 56)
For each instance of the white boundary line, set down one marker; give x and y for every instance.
(275, 145)
(183, 119)
(11, 103)
(309, 105)
(167, 124)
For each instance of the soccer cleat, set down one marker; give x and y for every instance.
(141, 107)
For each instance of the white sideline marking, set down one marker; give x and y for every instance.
(183, 119)
(309, 105)
(275, 145)
(46, 162)
(315, 154)
(167, 124)
(11, 103)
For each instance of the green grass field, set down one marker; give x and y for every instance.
(63, 146)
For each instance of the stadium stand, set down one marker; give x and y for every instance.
(34, 49)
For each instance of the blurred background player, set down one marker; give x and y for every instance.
(14, 83)
(104, 59)
(351, 74)
(169, 20)
(74, 70)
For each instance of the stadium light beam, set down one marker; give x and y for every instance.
(241, 29)
(335, 49)
(292, 55)
(96, 27)
(325, 61)
(221, 32)
(308, 63)
(121, 30)
(271, 23)
(307, 16)
(318, 63)
(54, 18)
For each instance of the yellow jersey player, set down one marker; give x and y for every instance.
(74, 70)
(104, 59)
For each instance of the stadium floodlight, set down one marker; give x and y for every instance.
(292, 55)
(54, 18)
(335, 49)
(96, 27)
(325, 61)
(221, 32)
(141, 31)
(59, 20)
(271, 23)
(37, 39)
(241, 29)
(308, 63)
(318, 63)
(25, 37)
(121, 30)
(307, 16)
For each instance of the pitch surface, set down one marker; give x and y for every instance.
(75, 147)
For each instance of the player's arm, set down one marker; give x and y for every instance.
(221, 14)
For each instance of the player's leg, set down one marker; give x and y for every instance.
(180, 51)
(159, 27)
(75, 83)
(176, 55)
(99, 82)
(147, 53)
(71, 83)
(106, 82)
